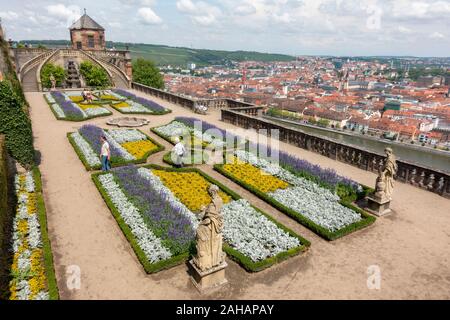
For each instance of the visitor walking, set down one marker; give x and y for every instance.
(178, 151)
(105, 154)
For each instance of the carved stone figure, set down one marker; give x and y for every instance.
(53, 81)
(385, 181)
(209, 233)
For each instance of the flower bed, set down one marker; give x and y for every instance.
(165, 202)
(136, 105)
(32, 271)
(126, 145)
(68, 106)
(206, 136)
(313, 205)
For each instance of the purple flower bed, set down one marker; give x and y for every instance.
(67, 106)
(92, 134)
(165, 220)
(151, 105)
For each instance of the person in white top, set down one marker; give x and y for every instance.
(178, 152)
(105, 154)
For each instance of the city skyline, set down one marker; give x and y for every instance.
(325, 27)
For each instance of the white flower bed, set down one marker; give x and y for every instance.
(252, 234)
(307, 198)
(99, 111)
(134, 108)
(59, 112)
(176, 128)
(50, 98)
(147, 241)
(85, 148)
(122, 136)
(25, 245)
(123, 153)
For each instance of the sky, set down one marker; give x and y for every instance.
(296, 27)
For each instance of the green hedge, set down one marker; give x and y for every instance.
(5, 224)
(321, 231)
(94, 75)
(16, 125)
(115, 162)
(48, 256)
(58, 73)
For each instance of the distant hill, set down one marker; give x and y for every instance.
(178, 56)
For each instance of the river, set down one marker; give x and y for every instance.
(433, 159)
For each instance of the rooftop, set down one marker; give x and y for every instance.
(86, 22)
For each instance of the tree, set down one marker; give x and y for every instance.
(146, 73)
(95, 76)
(57, 71)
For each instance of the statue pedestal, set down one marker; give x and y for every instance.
(378, 206)
(208, 280)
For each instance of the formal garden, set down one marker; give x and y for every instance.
(318, 198)
(127, 145)
(157, 207)
(72, 106)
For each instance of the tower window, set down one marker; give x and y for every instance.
(91, 43)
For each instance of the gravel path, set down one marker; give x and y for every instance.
(411, 246)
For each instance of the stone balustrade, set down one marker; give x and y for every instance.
(419, 176)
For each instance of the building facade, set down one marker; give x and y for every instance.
(86, 34)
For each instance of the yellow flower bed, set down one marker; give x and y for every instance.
(122, 105)
(108, 97)
(76, 99)
(189, 187)
(254, 176)
(88, 106)
(139, 148)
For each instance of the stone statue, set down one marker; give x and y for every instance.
(53, 81)
(385, 181)
(209, 233)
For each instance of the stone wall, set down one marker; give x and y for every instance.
(82, 37)
(416, 175)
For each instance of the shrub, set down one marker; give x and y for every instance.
(57, 71)
(146, 73)
(95, 76)
(16, 125)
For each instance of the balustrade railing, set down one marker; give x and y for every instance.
(419, 176)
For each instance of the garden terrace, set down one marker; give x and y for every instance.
(410, 246)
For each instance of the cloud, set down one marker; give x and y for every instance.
(9, 15)
(200, 12)
(68, 14)
(404, 30)
(437, 35)
(148, 16)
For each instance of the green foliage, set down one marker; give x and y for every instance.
(58, 73)
(14, 122)
(323, 123)
(95, 76)
(146, 73)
